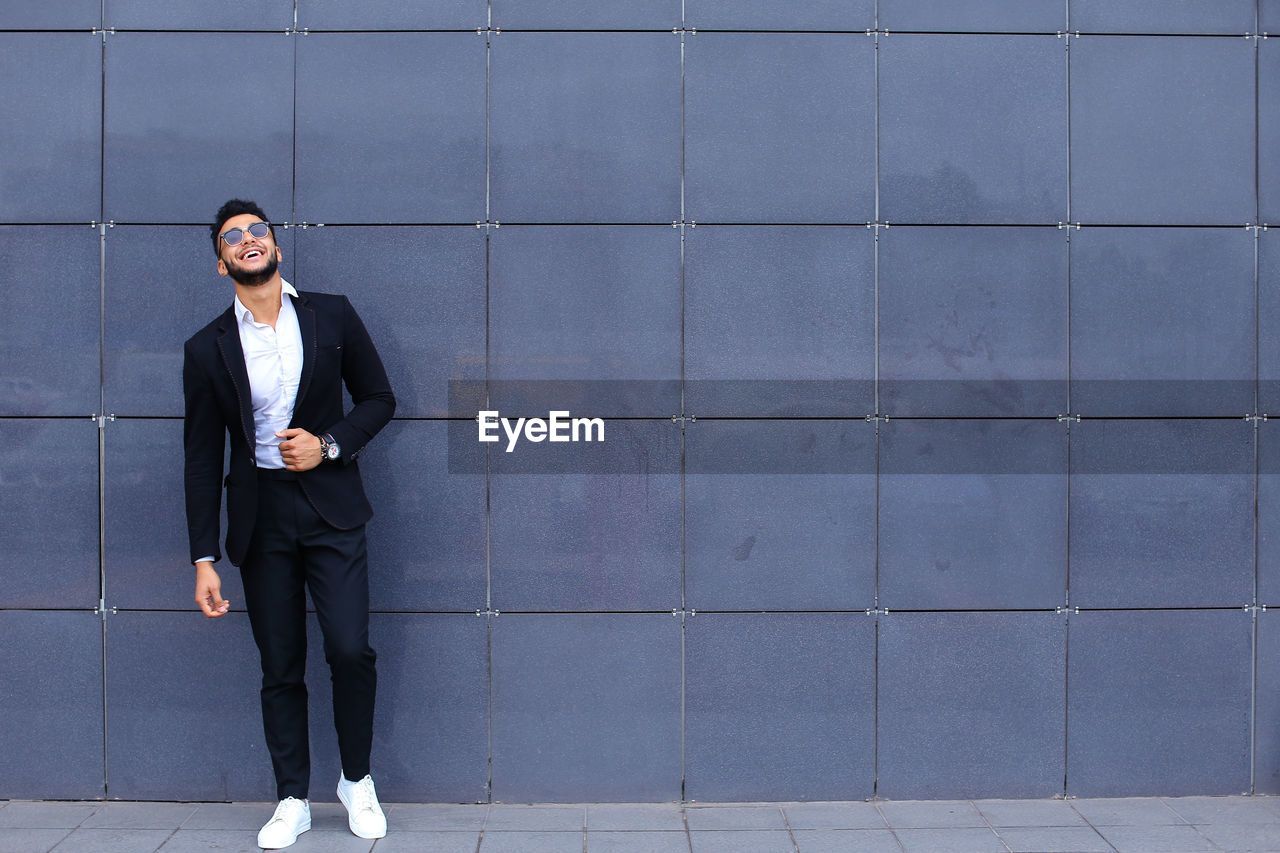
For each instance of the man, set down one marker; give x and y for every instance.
(269, 373)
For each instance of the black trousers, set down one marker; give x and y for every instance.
(292, 547)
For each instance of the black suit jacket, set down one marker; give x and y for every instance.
(336, 349)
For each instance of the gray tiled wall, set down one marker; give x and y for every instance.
(936, 339)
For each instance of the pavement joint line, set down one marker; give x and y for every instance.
(787, 823)
(987, 822)
(893, 829)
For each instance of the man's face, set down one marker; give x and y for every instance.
(251, 262)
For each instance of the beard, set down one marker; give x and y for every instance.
(253, 279)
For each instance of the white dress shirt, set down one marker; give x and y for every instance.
(273, 358)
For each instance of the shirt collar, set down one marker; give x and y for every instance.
(244, 315)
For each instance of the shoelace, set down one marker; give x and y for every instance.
(284, 811)
(363, 795)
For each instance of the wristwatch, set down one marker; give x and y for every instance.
(329, 449)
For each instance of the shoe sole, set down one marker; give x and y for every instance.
(291, 843)
(346, 805)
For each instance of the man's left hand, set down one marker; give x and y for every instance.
(300, 449)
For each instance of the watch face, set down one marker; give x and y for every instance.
(333, 451)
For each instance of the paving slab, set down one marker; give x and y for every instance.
(113, 841)
(40, 815)
(833, 816)
(1221, 810)
(221, 840)
(1253, 837)
(230, 816)
(1156, 839)
(635, 816)
(927, 814)
(398, 841)
(522, 841)
(24, 840)
(1127, 811)
(623, 841)
(1029, 813)
(741, 841)
(1057, 839)
(957, 839)
(846, 841)
(414, 817)
(735, 817)
(536, 818)
(330, 842)
(140, 815)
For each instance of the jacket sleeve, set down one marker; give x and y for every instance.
(366, 381)
(203, 439)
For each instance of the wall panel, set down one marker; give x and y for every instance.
(779, 706)
(51, 745)
(273, 15)
(162, 744)
(560, 150)
(982, 16)
(220, 125)
(1231, 17)
(586, 707)
(971, 705)
(49, 513)
(51, 279)
(616, 349)
(779, 320)
(972, 129)
(376, 145)
(1162, 513)
(147, 559)
(843, 15)
(1158, 703)
(1266, 750)
(780, 515)
(1163, 322)
(71, 15)
(586, 541)
(761, 142)
(52, 128)
(1161, 131)
(407, 15)
(973, 321)
(990, 534)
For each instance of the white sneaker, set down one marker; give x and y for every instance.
(292, 818)
(364, 815)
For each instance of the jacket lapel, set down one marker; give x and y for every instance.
(307, 325)
(233, 360)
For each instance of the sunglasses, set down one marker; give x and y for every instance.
(235, 236)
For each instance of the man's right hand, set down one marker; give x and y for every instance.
(209, 591)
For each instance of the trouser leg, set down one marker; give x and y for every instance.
(275, 598)
(337, 570)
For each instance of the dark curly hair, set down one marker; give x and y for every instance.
(236, 207)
